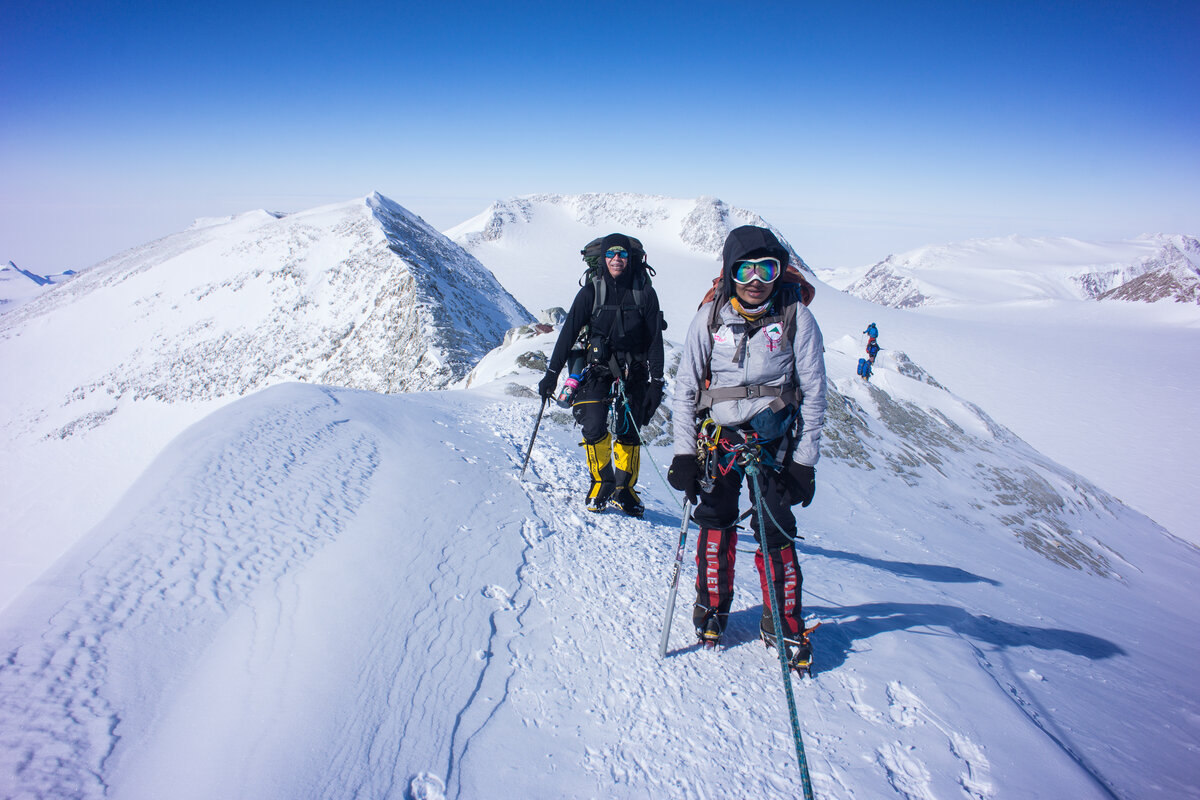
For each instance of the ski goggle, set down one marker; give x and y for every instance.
(756, 269)
(617, 252)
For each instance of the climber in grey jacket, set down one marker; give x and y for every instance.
(752, 379)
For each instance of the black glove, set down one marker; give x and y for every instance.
(801, 483)
(652, 400)
(684, 476)
(547, 385)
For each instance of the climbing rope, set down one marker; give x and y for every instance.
(752, 471)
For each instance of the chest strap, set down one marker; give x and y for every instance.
(782, 396)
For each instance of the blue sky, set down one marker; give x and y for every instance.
(860, 129)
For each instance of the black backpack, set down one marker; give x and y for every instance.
(593, 256)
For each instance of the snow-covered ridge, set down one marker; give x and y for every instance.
(260, 214)
(1171, 273)
(904, 422)
(1148, 268)
(361, 294)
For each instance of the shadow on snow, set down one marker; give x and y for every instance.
(936, 573)
(842, 627)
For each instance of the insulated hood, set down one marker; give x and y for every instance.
(751, 241)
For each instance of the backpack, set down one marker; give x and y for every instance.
(593, 256)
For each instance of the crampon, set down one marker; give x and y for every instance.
(799, 650)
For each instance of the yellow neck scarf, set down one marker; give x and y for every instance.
(750, 315)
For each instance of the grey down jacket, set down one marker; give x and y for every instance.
(800, 363)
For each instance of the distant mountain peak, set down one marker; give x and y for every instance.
(532, 243)
(1013, 268)
(1172, 273)
(703, 224)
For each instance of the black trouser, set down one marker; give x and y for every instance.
(719, 508)
(594, 397)
(716, 514)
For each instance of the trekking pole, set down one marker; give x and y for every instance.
(536, 425)
(666, 633)
(777, 621)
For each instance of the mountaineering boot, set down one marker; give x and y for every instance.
(716, 551)
(599, 458)
(709, 625)
(626, 460)
(795, 645)
(787, 586)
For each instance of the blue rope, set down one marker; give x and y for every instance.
(752, 472)
(623, 398)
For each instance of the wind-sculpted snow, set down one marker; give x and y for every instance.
(161, 580)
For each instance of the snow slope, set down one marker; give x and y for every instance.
(361, 579)
(103, 371)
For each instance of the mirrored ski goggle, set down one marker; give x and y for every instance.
(617, 252)
(756, 269)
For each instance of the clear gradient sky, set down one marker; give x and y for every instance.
(858, 128)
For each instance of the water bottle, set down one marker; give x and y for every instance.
(576, 367)
(567, 392)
